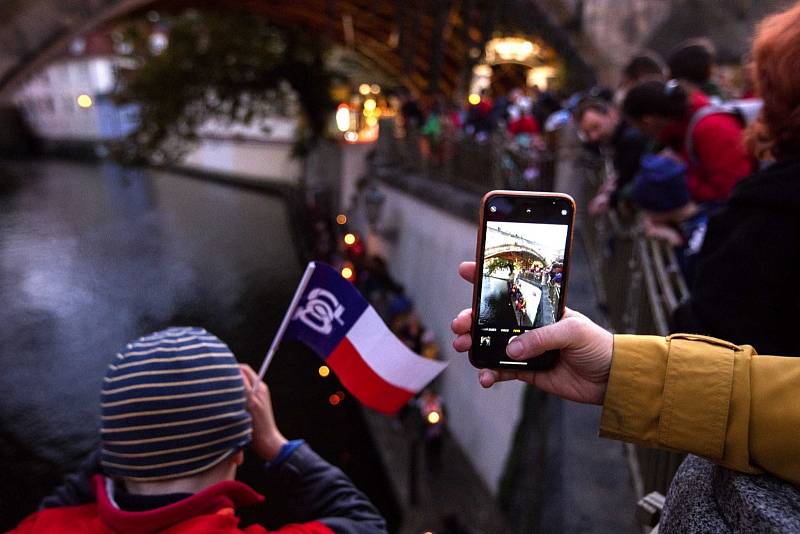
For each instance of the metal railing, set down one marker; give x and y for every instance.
(639, 284)
(474, 162)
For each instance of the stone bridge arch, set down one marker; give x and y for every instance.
(429, 45)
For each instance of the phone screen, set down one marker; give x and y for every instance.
(521, 273)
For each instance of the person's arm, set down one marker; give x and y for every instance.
(77, 487)
(628, 152)
(707, 397)
(316, 490)
(689, 393)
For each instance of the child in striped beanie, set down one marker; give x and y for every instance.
(177, 411)
(173, 405)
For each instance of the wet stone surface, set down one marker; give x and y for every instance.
(92, 256)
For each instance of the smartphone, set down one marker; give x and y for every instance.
(523, 253)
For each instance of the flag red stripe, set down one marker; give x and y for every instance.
(364, 383)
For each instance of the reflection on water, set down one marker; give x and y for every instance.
(495, 305)
(91, 257)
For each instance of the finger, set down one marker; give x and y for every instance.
(467, 271)
(248, 381)
(489, 377)
(570, 313)
(252, 379)
(463, 322)
(462, 343)
(552, 337)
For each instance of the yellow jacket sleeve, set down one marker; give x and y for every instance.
(707, 397)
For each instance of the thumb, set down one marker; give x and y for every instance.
(535, 342)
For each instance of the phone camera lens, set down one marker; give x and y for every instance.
(493, 209)
(563, 212)
(528, 210)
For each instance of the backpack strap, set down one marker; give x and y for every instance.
(701, 114)
(745, 111)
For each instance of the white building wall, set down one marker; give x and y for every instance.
(268, 161)
(259, 151)
(49, 99)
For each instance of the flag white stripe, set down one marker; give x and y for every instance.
(388, 356)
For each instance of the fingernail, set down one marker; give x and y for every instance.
(483, 376)
(514, 349)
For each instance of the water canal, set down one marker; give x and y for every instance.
(92, 256)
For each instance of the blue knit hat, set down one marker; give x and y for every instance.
(660, 184)
(173, 405)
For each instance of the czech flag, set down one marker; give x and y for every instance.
(334, 320)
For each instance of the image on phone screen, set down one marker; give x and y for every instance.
(523, 266)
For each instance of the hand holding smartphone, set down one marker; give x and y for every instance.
(522, 259)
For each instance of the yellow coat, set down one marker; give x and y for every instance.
(707, 397)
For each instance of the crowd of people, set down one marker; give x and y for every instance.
(513, 121)
(677, 154)
(701, 170)
(717, 177)
(517, 301)
(546, 278)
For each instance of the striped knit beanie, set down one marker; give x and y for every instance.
(173, 405)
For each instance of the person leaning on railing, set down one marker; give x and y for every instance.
(683, 392)
(746, 287)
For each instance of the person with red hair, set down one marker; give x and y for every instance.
(747, 291)
(745, 285)
(746, 288)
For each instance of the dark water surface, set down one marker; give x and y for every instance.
(496, 302)
(92, 256)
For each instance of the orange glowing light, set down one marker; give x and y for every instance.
(324, 371)
(334, 399)
(347, 273)
(349, 239)
(341, 219)
(434, 418)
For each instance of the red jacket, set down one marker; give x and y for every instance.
(525, 124)
(321, 498)
(210, 511)
(721, 159)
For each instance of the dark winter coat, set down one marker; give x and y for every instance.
(747, 284)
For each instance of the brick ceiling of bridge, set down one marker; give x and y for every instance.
(33, 31)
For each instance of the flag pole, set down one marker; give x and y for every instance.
(286, 318)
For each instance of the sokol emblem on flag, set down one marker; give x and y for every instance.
(334, 320)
